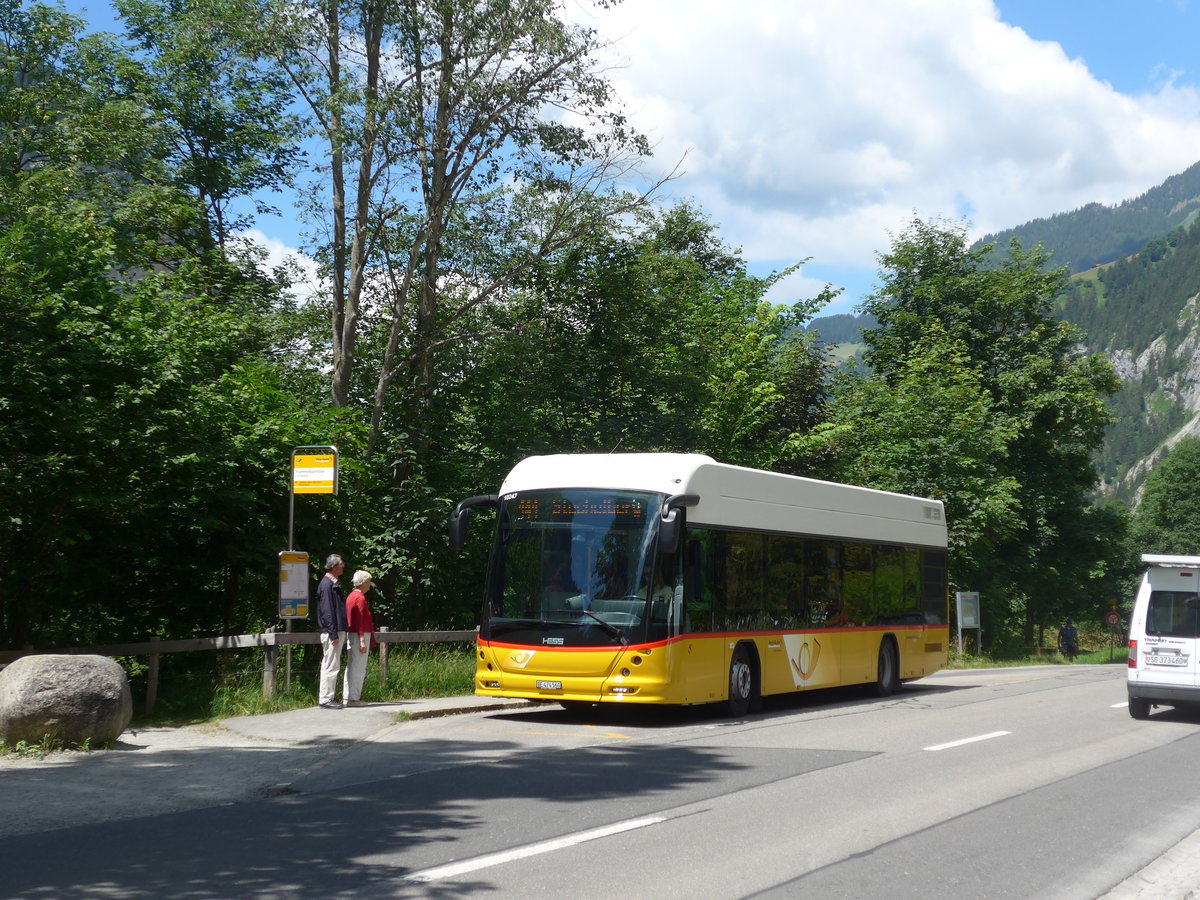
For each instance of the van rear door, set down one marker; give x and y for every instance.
(1172, 629)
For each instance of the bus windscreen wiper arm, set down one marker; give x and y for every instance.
(608, 626)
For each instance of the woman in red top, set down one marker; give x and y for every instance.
(360, 635)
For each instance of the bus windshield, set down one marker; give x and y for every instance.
(571, 567)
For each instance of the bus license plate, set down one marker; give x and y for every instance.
(549, 685)
(1166, 660)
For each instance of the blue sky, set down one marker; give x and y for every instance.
(1134, 45)
(818, 128)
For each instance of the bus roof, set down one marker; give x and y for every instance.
(737, 497)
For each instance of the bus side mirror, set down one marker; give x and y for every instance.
(462, 515)
(670, 524)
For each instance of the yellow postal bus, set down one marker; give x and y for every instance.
(671, 578)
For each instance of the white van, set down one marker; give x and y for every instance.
(1164, 635)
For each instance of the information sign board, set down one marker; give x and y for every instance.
(293, 585)
(968, 609)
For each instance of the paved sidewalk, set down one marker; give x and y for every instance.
(316, 725)
(1173, 876)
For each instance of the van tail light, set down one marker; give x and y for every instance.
(1133, 654)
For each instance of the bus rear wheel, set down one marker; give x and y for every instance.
(889, 669)
(741, 683)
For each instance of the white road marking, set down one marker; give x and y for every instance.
(1120, 705)
(970, 740)
(494, 859)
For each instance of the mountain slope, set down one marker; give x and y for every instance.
(1096, 234)
(1141, 312)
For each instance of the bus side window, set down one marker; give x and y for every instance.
(742, 582)
(823, 582)
(785, 582)
(933, 586)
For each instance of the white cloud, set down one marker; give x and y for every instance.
(796, 286)
(306, 282)
(816, 128)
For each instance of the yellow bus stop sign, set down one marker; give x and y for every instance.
(315, 471)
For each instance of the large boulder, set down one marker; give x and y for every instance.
(64, 697)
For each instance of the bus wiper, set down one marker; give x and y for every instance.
(608, 626)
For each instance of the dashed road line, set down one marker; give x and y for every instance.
(970, 740)
(494, 859)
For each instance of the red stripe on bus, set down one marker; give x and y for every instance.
(709, 635)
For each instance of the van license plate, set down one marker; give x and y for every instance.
(549, 685)
(1166, 660)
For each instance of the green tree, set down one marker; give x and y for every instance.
(466, 142)
(1167, 519)
(931, 431)
(224, 128)
(653, 340)
(143, 484)
(647, 338)
(1046, 397)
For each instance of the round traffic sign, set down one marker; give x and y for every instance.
(1113, 619)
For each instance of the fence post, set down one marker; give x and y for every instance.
(287, 655)
(383, 661)
(270, 663)
(152, 677)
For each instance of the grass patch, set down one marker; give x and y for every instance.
(47, 745)
(423, 670)
(1116, 656)
(844, 352)
(231, 684)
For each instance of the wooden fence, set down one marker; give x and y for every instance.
(269, 641)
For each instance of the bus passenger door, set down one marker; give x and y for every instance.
(698, 655)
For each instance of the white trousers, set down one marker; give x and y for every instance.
(331, 662)
(356, 667)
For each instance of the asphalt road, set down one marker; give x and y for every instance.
(1005, 783)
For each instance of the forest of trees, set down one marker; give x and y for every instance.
(497, 279)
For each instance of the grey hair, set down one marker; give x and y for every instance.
(360, 578)
(332, 560)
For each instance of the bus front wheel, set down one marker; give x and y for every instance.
(889, 670)
(741, 683)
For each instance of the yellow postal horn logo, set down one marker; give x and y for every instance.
(805, 662)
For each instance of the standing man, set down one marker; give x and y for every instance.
(1068, 641)
(331, 620)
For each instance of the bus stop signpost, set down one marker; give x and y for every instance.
(968, 616)
(314, 471)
